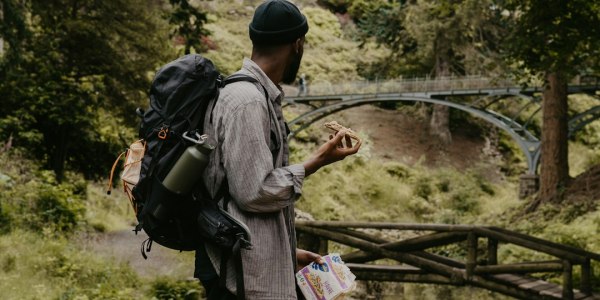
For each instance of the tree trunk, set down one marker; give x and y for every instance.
(554, 171)
(439, 125)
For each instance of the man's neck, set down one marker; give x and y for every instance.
(272, 67)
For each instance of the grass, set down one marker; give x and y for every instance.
(49, 267)
(106, 213)
(34, 266)
(47, 233)
(368, 189)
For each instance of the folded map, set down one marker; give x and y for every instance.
(331, 280)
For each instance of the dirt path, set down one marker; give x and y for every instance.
(125, 247)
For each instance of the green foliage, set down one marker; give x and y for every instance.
(169, 289)
(80, 57)
(189, 24)
(556, 224)
(56, 205)
(232, 43)
(4, 219)
(460, 37)
(37, 267)
(36, 201)
(329, 57)
(12, 30)
(553, 36)
(108, 213)
(553, 41)
(514, 161)
(394, 192)
(589, 135)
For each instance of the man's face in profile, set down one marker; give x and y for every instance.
(291, 71)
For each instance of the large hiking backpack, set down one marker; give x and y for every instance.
(179, 96)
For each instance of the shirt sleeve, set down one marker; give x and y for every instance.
(254, 183)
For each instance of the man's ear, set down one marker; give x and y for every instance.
(299, 45)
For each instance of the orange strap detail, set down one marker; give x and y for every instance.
(162, 134)
(129, 194)
(112, 173)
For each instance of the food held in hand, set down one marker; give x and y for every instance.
(336, 127)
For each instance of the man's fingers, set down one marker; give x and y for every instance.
(338, 137)
(353, 150)
(316, 257)
(348, 142)
(357, 146)
(320, 260)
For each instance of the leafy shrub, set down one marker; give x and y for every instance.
(397, 170)
(58, 206)
(36, 267)
(37, 201)
(463, 203)
(91, 277)
(423, 189)
(443, 185)
(169, 289)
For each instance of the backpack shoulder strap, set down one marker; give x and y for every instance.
(237, 78)
(240, 77)
(221, 83)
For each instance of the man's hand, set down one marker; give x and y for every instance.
(330, 152)
(304, 258)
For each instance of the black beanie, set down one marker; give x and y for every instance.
(277, 22)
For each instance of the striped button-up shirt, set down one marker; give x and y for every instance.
(252, 155)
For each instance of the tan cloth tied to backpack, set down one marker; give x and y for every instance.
(131, 169)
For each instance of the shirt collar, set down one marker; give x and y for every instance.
(273, 89)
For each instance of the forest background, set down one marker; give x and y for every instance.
(73, 72)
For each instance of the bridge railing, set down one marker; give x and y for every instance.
(484, 272)
(425, 84)
(406, 85)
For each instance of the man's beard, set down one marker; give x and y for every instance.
(290, 73)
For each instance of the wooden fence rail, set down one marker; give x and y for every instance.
(420, 264)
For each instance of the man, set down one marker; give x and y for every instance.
(302, 86)
(251, 158)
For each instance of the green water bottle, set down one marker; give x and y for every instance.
(188, 169)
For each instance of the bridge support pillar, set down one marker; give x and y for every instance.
(528, 185)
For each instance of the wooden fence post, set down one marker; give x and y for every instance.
(567, 280)
(586, 277)
(471, 255)
(492, 251)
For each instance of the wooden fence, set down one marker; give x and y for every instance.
(420, 258)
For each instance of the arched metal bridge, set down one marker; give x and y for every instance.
(328, 99)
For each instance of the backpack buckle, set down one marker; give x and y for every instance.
(220, 81)
(162, 134)
(195, 137)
